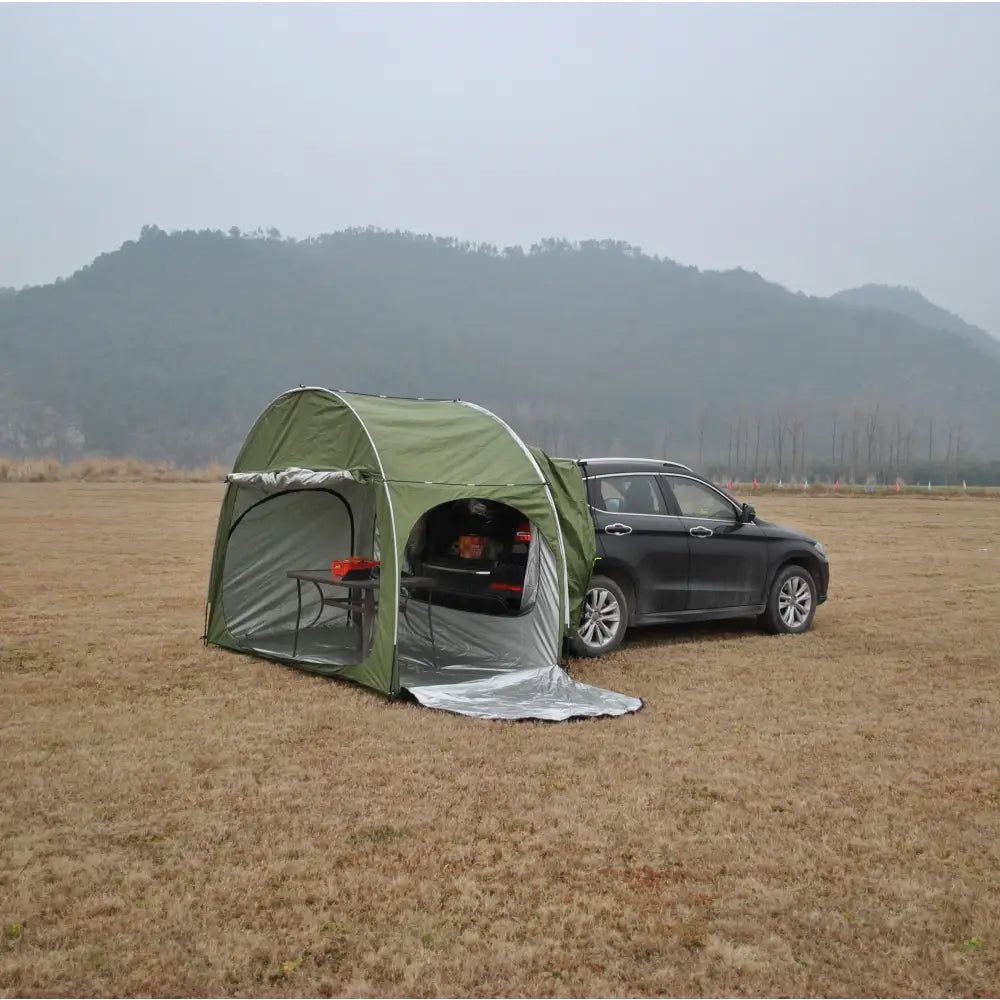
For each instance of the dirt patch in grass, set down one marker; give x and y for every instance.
(817, 815)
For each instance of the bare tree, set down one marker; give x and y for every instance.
(899, 435)
(702, 426)
(871, 434)
(756, 453)
(833, 440)
(797, 426)
(779, 437)
(856, 420)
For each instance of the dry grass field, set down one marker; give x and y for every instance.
(96, 469)
(817, 815)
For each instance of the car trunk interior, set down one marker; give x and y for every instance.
(477, 550)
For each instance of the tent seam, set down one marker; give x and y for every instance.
(392, 525)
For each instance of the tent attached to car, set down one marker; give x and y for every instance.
(463, 555)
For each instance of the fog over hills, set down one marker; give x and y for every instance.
(168, 347)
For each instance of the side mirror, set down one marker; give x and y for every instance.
(747, 513)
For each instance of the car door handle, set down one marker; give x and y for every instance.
(618, 529)
(700, 531)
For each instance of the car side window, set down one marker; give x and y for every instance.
(698, 500)
(630, 495)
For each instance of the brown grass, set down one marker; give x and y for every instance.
(97, 469)
(787, 816)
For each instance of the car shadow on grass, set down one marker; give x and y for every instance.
(649, 636)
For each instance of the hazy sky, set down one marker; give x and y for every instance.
(823, 146)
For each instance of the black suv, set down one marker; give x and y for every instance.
(674, 548)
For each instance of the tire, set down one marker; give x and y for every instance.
(604, 620)
(791, 604)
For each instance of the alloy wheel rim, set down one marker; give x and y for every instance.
(601, 617)
(794, 602)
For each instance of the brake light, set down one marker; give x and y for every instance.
(523, 532)
(512, 587)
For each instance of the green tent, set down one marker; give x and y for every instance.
(326, 476)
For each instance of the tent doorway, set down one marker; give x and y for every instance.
(479, 593)
(301, 529)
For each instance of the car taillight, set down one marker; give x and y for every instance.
(512, 587)
(523, 532)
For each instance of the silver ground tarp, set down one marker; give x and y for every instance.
(547, 693)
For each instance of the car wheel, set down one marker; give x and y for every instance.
(604, 619)
(791, 605)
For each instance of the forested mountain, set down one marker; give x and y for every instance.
(909, 302)
(170, 346)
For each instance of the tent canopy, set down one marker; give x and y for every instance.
(326, 475)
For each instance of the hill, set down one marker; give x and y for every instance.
(910, 303)
(169, 346)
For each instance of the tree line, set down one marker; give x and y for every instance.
(856, 443)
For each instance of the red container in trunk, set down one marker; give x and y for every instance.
(471, 546)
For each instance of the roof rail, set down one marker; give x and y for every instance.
(649, 461)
